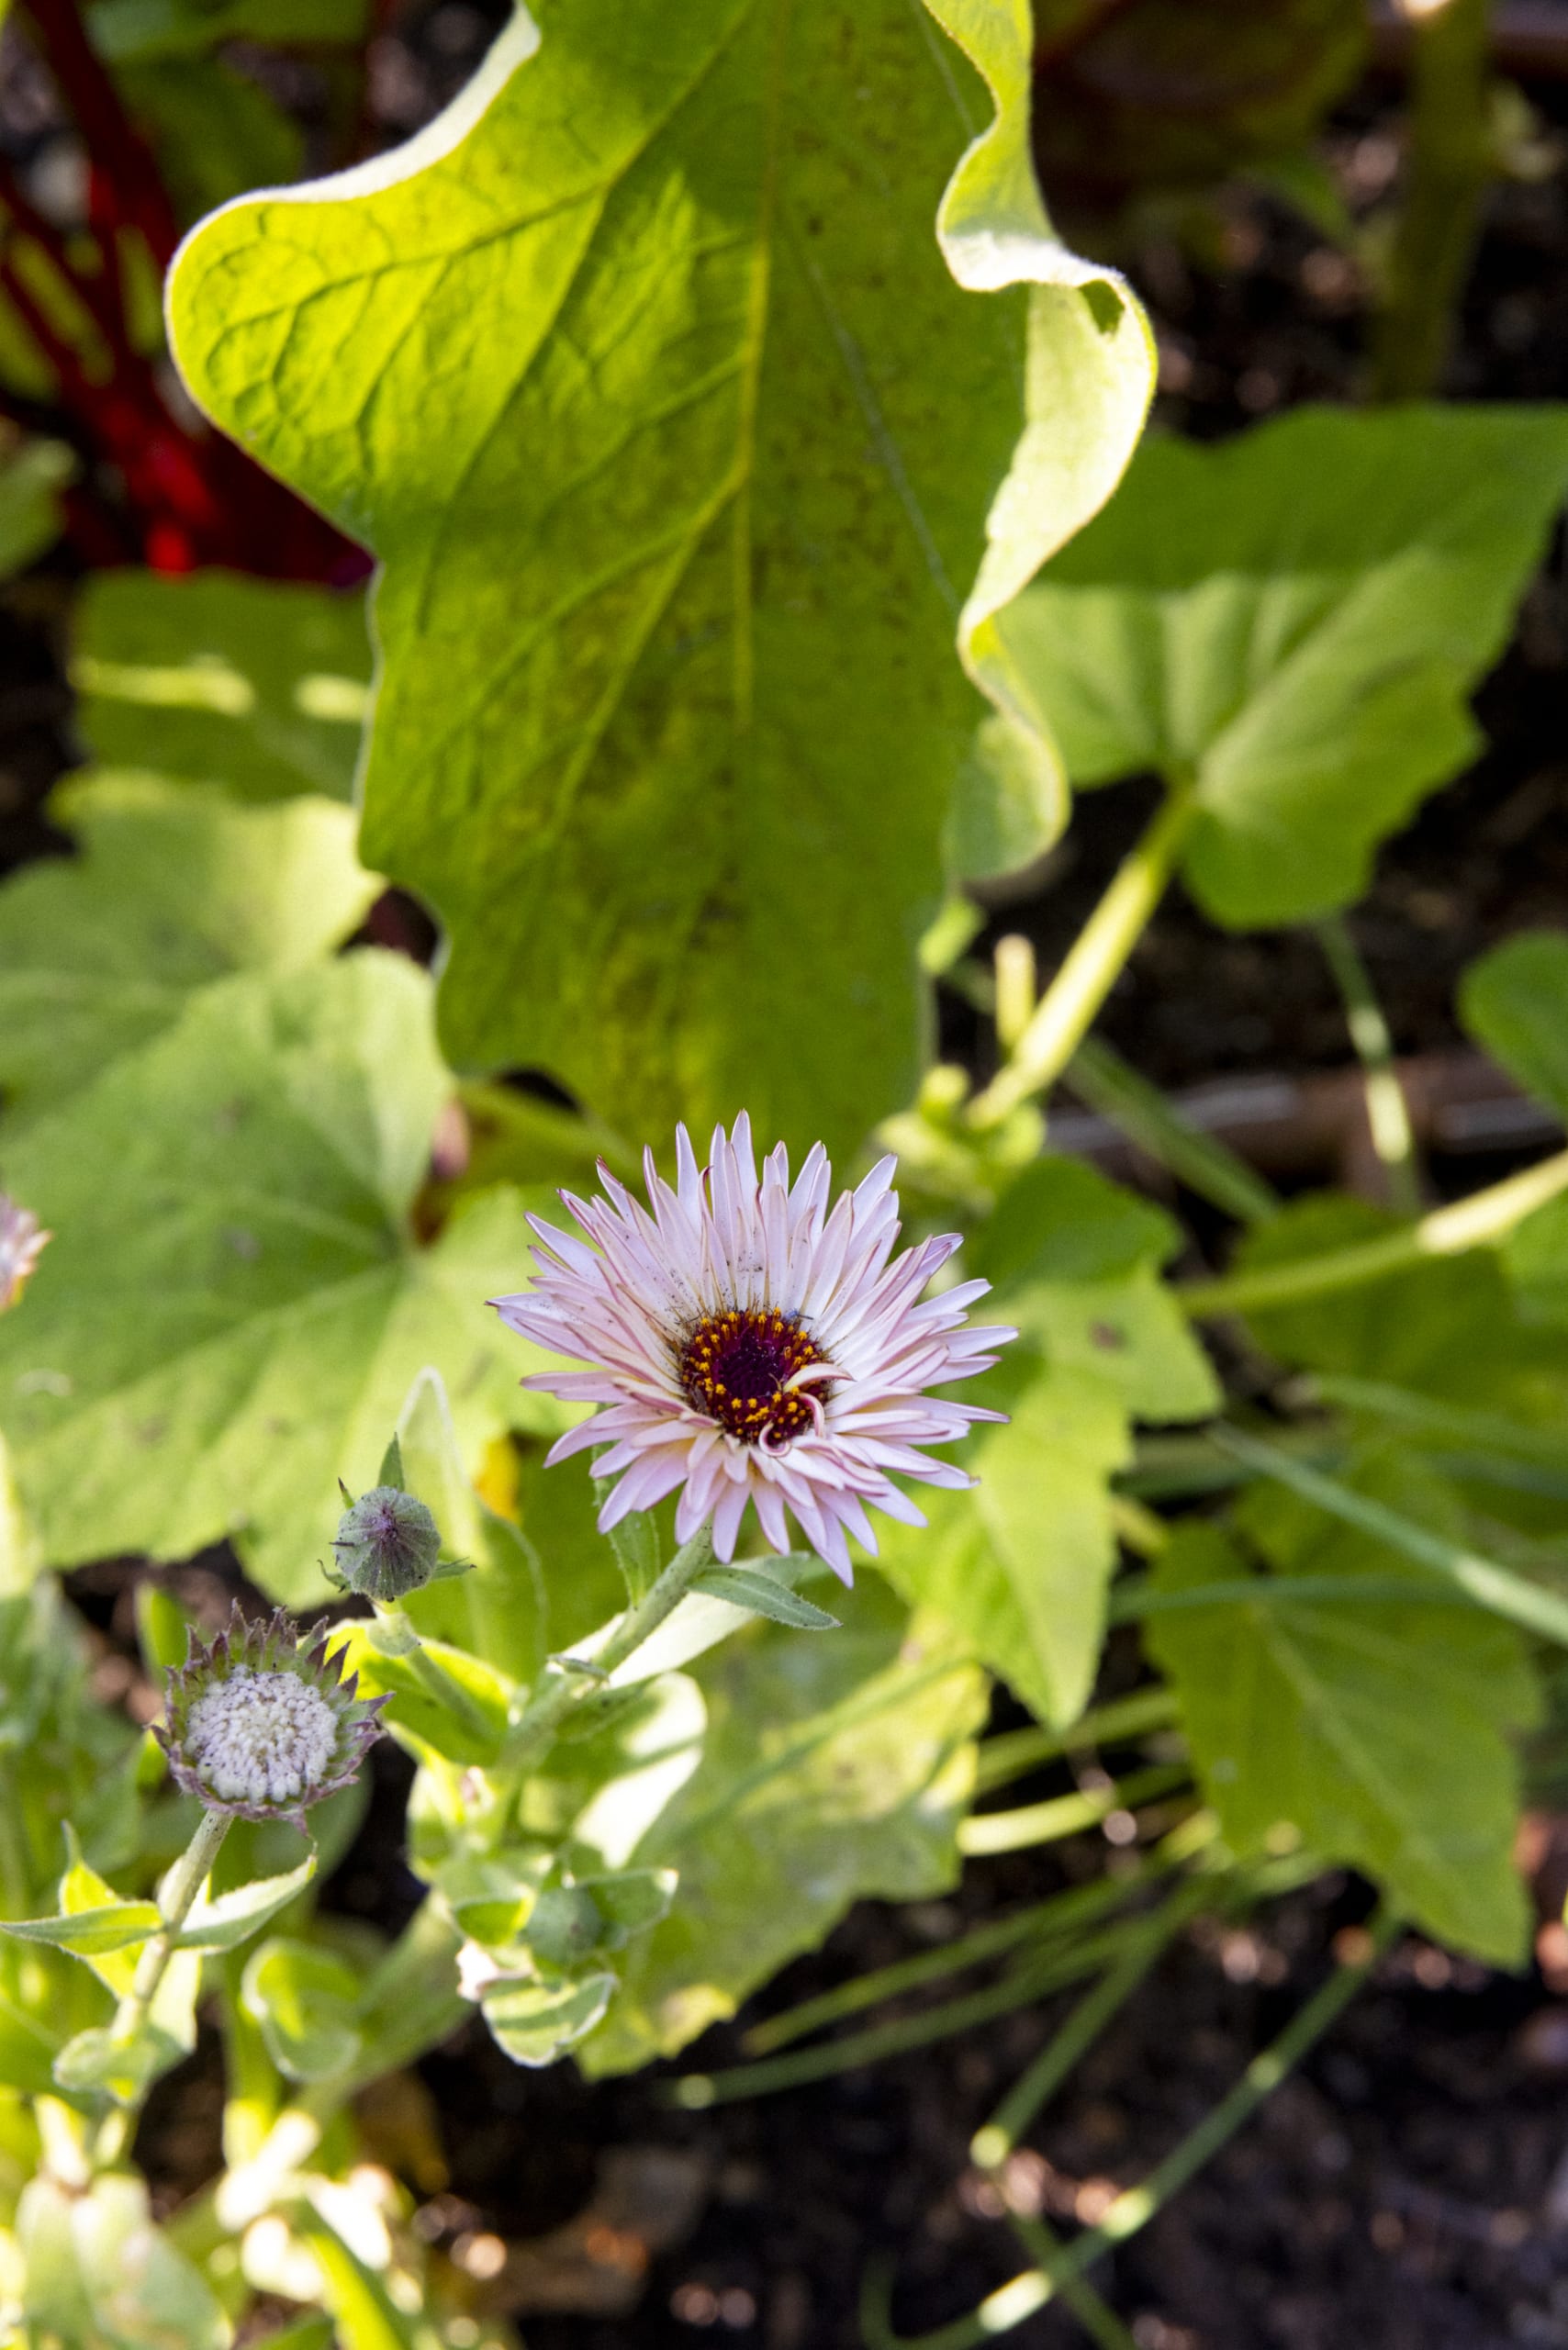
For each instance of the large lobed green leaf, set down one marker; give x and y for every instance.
(173, 887)
(1376, 1734)
(831, 1770)
(234, 1308)
(1291, 624)
(1020, 1564)
(641, 372)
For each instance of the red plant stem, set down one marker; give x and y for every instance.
(124, 173)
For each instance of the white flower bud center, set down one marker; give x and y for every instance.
(260, 1737)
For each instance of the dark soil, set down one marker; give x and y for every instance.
(1409, 2188)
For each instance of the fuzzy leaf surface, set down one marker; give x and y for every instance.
(174, 886)
(831, 1770)
(233, 1322)
(1379, 1736)
(642, 372)
(1293, 620)
(254, 684)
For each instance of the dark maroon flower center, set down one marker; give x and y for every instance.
(736, 1366)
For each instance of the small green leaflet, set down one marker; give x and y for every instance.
(1514, 1002)
(1291, 622)
(90, 1933)
(537, 2022)
(764, 1595)
(1020, 1564)
(226, 1920)
(831, 1770)
(304, 2001)
(250, 683)
(176, 886)
(677, 535)
(218, 1335)
(1376, 1735)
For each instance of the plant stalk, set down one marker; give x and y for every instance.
(1483, 1220)
(1137, 2206)
(558, 1694)
(1449, 163)
(1388, 1113)
(181, 1886)
(1065, 1012)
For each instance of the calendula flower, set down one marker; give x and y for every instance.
(262, 1727)
(749, 1346)
(22, 1243)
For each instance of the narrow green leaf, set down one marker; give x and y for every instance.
(90, 1933)
(229, 1919)
(162, 1627)
(1497, 1588)
(31, 478)
(639, 1553)
(763, 1594)
(534, 2023)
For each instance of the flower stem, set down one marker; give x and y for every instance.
(181, 1886)
(1388, 1113)
(557, 1694)
(1065, 1012)
(1486, 1218)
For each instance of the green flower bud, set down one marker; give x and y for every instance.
(387, 1545)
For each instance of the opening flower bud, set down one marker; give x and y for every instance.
(259, 1725)
(387, 1545)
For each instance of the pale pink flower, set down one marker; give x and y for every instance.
(22, 1243)
(747, 1345)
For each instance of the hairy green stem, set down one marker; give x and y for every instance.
(1483, 1220)
(1449, 163)
(558, 1694)
(1065, 1012)
(179, 1888)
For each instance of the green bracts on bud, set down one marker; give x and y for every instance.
(387, 1545)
